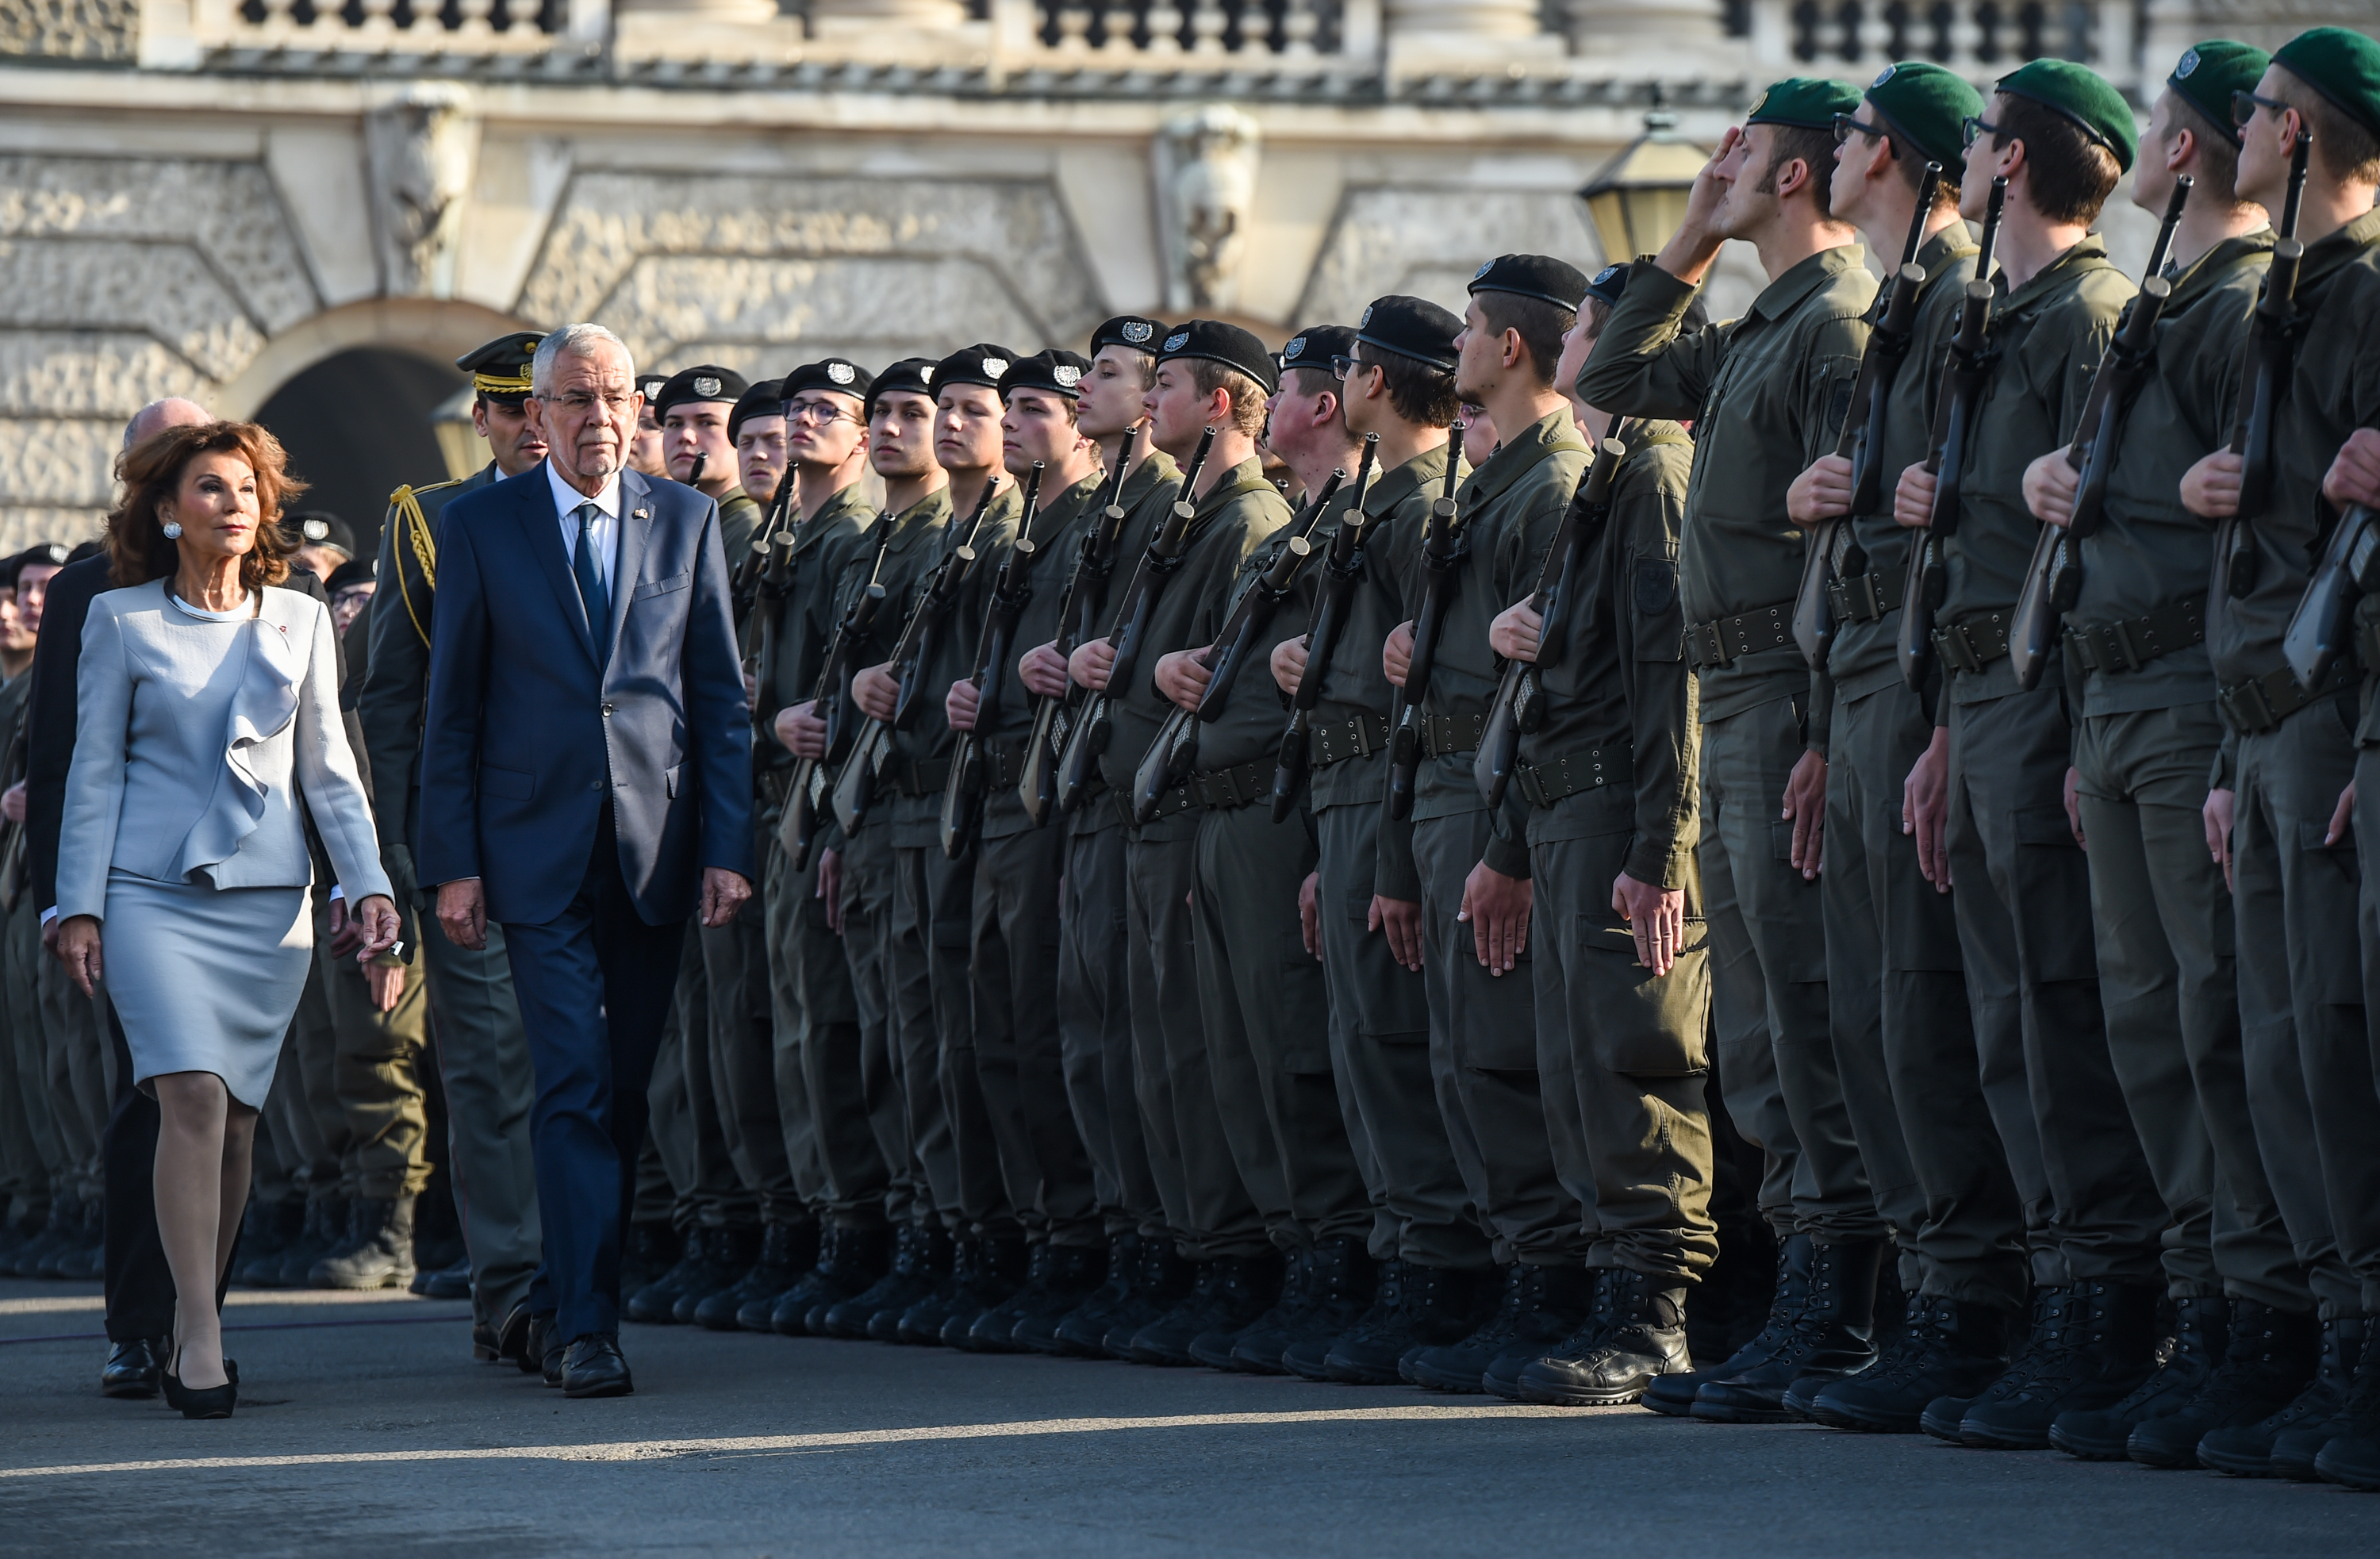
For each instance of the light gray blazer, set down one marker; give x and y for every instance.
(196, 739)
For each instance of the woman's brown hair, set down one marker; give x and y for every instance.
(151, 470)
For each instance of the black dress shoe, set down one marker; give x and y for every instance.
(444, 1282)
(132, 1367)
(545, 1350)
(513, 1337)
(595, 1367)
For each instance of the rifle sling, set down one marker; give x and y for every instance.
(2135, 642)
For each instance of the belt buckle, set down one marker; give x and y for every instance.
(2251, 707)
(1951, 644)
(2120, 634)
(1710, 650)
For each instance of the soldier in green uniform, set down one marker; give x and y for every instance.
(1014, 957)
(2060, 137)
(1396, 382)
(1268, 1021)
(1144, 1270)
(2148, 736)
(1623, 989)
(1768, 392)
(1473, 868)
(482, 1052)
(1939, 1107)
(820, 1038)
(2295, 865)
(1213, 375)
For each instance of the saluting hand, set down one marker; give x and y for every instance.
(1820, 494)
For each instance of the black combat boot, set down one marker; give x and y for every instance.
(1167, 1280)
(649, 1249)
(1429, 1307)
(1947, 1347)
(921, 1259)
(2105, 1347)
(786, 1251)
(2201, 1328)
(2271, 1356)
(656, 1303)
(849, 1260)
(17, 1233)
(1001, 1269)
(1577, 1297)
(381, 1256)
(1832, 1337)
(324, 1231)
(1081, 1332)
(1643, 1337)
(728, 1253)
(2350, 1451)
(1170, 1333)
(2247, 1450)
(68, 1219)
(1339, 1283)
(1674, 1394)
(1213, 1348)
(1728, 1308)
(1057, 1278)
(922, 1324)
(1543, 1306)
(1308, 1357)
(264, 1237)
(2047, 1317)
(1237, 1290)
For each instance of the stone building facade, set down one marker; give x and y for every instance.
(217, 197)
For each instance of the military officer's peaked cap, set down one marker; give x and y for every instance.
(1134, 333)
(2340, 64)
(1928, 108)
(501, 369)
(1411, 327)
(840, 375)
(1540, 276)
(982, 363)
(1216, 341)
(766, 398)
(2207, 74)
(1808, 103)
(1315, 345)
(704, 381)
(1055, 372)
(2083, 96)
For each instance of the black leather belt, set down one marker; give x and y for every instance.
(1544, 783)
(1219, 790)
(2135, 642)
(1728, 639)
(1865, 598)
(1973, 643)
(2257, 705)
(921, 777)
(1443, 736)
(1359, 736)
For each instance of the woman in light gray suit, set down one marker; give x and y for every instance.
(208, 715)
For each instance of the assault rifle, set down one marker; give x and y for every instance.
(1343, 568)
(2053, 580)
(2268, 360)
(1012, 589)
(831, 697)
(1833, 553)
(1444, 545)
(1053, 718)
(1097, 728)
(1964, 369)
(770, 571)
(1520, 706)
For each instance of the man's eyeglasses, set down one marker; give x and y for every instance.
(1343, 366)
(1845, 124)
(578, 403)
(1974, 128)
(819, 411)
(2244, 106)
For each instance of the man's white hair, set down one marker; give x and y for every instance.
(572, 340)
(173, 411)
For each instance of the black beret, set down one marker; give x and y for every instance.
(841, 375)
(982, 363)
(1411, 327)
(910, 376)
(501, 369)
(1608, 284)
(1533, 276)
(56, 555)
(1134, 333)
(320, 528)
(357, 571)
(650, 386)
(1215, 341)
(82, 550)
(704, 381)
(766, 398)
(1315, 346)
(1059, 373)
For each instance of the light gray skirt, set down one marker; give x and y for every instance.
(206, 980)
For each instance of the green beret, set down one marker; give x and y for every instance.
(2207, 74)
(1808, 102)
(2084, 97)
(1926, 106)
(2340, 64)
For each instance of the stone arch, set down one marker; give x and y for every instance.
(423, 328)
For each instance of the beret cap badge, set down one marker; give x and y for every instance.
(1067, 374)
(1296, 347)
(1138, 330)
(2189, 63)
(1178, 340)
(841, 373)
(995, 366)
(705, 386)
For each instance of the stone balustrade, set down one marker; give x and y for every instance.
(1980, 39)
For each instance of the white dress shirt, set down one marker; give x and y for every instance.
(604, 533)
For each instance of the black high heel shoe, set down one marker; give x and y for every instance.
(206, 1402)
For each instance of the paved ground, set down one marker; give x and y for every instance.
(364, 1426)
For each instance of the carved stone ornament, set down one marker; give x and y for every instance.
(424, 147)
(1206, 164)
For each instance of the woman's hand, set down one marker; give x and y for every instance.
(78, 950)
(377, 915)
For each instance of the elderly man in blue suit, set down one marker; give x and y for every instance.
(586, 773)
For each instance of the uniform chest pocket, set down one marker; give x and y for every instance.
(661, 587)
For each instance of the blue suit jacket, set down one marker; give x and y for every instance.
(521, 735)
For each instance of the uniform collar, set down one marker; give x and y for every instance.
(1785, 294)
(2218, 263)
(1426, 470)
(1553, 431)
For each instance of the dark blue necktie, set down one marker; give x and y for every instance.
(591, 585)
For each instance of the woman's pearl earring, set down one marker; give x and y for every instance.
(173, 530)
